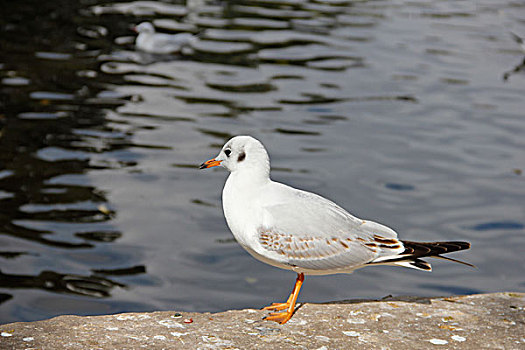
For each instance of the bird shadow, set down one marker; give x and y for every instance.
(388, 298)
(402, 298)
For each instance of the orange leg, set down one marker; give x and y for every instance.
(283, 317)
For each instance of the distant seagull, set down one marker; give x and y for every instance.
(159, 43)
(302, 231)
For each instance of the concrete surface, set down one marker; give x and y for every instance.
(484, 321)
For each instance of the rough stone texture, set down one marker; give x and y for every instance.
(484, 321)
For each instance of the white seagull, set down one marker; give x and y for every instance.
(302, 231)
(159, 43)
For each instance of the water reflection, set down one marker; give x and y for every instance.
(91, 286)
(53, 127)
(390, 109)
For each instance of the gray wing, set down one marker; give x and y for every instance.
(177, 39)
(311, 232)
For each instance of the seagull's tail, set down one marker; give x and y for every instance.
(410, 257)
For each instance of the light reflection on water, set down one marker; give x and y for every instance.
(408, 113)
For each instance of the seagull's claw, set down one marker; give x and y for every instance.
(277, 306)
(279, 317)
(289, 305)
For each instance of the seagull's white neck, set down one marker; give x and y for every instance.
(250, 177)
(239, 195)
(146, 34)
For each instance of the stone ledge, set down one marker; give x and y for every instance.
(482, 321)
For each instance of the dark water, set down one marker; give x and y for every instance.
(410, 113)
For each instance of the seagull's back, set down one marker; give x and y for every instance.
(299, 230)
(162, 43)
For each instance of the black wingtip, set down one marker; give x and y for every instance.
(421, 264)
(416, 250)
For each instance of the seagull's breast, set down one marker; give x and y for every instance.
(242, 210)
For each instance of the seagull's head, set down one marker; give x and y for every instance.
(145, 27)
(241, 153)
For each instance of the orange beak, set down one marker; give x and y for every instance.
(210, 163)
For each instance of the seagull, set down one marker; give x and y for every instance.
(302, 231)
(159, 43)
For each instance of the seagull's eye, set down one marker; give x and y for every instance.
(227, 152)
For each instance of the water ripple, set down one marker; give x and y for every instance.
(397, 112)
